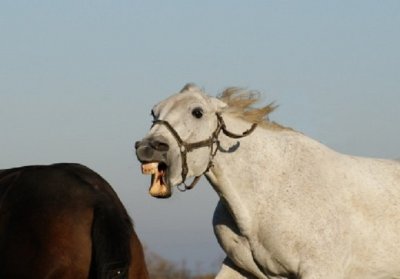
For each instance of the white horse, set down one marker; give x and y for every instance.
(289, 206)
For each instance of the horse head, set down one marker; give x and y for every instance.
(182, 140)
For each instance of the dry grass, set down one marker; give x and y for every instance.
(161, 268)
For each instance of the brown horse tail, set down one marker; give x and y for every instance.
(112, 229)
(111, 235)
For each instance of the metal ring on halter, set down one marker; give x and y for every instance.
(179, 187)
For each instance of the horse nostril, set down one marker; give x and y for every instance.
(159, 145)
(137, 144)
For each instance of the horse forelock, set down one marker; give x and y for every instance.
(240, 103)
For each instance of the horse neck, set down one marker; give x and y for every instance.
(246, 168)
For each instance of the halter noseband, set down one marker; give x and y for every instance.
(185, 147)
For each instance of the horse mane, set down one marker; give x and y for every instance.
(240, 103)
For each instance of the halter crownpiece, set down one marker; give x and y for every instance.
(185, 147)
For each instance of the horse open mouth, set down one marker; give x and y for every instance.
(159, 188)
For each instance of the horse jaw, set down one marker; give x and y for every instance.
(159, 188)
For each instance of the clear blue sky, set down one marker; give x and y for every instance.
(78, 80)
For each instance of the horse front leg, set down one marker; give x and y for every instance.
(239, 256)
(230, 271)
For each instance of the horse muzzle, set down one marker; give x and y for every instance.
(152, 150)
(152, 153)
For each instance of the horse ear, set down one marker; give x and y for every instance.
(190, 87)
(218, 104)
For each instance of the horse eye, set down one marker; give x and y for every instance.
(197, 112)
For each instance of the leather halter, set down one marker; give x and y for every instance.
(185, 147)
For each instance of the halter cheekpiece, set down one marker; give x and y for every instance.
(185, 147)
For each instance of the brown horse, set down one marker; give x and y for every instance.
(65, 221)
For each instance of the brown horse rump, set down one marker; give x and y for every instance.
(65, 221)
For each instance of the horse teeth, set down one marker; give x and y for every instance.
(150, 168)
